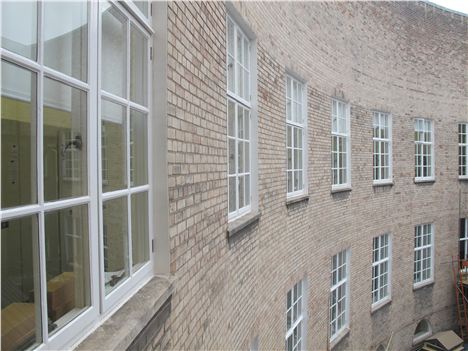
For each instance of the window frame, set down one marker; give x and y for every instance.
(240, 25)
(380, 140)
(463, 146)
(430, 143)
(463, 238)
(421, 282)
(347, 137)
(300, 322)
(334, 287)
(99, 309)
(382, 299)
(290, 77)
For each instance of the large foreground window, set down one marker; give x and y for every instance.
(295, 317)
(58, 265)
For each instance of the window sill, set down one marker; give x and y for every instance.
(120, 331)
(423, 284)
(378, 305)
(296, 198)
(463, 178)
(341, 189)
(338, 337)
(386, 183)
(243, 222)
(422, 181)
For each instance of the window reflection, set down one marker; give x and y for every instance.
(66, 37)
(18, 116)
(21, 326)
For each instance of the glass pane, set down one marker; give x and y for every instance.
(115, 242)
(19, 27)
(21, 326)
(232, 160)
(138, 66)
(65, 141)
(231, 118)
(113, 146)
(140, 239)
(114, 51)
(18, 154)
(67, 265)
(143, 6)
(138, 148)
(66, 37)
(232, 194)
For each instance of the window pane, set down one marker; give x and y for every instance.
(143, 6)
(231, 118)
(138, 148)
(67, 265)
(66, 37)
(113, 146)
(20, 284)
(232, 194)
(65, 141)
(18, 116)
(115, 242)
(114, 49)
(140, 240)
(19, 27)
(138, 66)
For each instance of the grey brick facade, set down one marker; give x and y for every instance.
(406, 58)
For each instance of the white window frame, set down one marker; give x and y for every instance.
(342, 284)
(378, 247)
(378, 117)
(463, 238)
(338, 133)
(300, 124)
(424, 123)
(99, 309)
(422, 250)
(463, 146)
(296, 305)
(240, 26)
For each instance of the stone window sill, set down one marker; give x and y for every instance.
(463, 179)
(341, 189)
(120, 330)
(423, 284)
(340, 336)
(388, 183)
(378, 305)
(243, 222)
(298, 198)
(423, 181)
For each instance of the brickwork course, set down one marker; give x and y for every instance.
(406, 58)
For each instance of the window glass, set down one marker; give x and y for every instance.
(114, 51)
(140, 241)
(18, 130)
(138, 66)
(142, 6)
(19, 27)
(67, 265)
(65, 141)
(66, 37)
(114, 146)
(138, 148)
(21, 307)
(115, 240)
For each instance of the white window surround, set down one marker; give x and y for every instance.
(296, 123)
(339, 295)
(425, 332)
(296, 316)
(100, 308)
(381, 270)
(382, 140)
(424, 170)
(463, 251)
(463, 150)
(251, 104)
(341, 132)
(423, 272)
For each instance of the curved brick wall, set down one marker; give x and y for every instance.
(407, 58)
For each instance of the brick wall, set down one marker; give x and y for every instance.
(406, 58)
